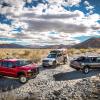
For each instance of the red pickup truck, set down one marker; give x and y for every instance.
(19, 68)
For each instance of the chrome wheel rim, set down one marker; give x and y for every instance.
(23, 79)
(86, 70)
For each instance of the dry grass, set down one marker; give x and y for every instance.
(34, 54)
(37, 54)
(83, 51)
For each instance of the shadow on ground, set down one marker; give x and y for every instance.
(7, 84)
(73, 75)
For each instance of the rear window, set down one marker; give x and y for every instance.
(98, 59)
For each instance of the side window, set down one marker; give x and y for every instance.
(94, 59)
(10, 64)
(98, 60)
(7, 64)
(0, 63)
(87, 59)
(4, 64)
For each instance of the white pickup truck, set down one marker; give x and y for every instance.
(55, 57)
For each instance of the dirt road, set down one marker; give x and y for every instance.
(60, 83)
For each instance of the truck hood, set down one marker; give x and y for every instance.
(28, 67)
(49, 59)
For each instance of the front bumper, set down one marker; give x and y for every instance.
(75, 66)
(47, 63)
(33, 72)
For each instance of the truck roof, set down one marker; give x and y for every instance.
(90, 56)
(12, 60)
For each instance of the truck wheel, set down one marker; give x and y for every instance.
(43, 66)
(54, 64)
(65, 60)
(77, 69)
(1, 76)
(86, 70)
(23, 79)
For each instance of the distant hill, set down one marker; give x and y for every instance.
(49, 46)
(12, 45)
(90, 43)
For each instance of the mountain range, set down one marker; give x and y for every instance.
(11, 45)
(90, 43)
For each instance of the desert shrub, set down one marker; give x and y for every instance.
(26, 52)
(35, 57)
(34, 54)
(73, 51)
(83, 50)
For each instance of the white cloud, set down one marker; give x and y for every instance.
(89, 7)
(29, 1)
(73, 2)
(37, 24)
(86, 3)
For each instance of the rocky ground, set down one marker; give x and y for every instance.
(60, 83)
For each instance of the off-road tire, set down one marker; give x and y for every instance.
(54, 64)
(65, 61)
(23, 79)
(1, 76)
(78, 69)
(86, 70)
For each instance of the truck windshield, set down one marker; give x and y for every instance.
(80, 59)
(51, 56)
(23, 62)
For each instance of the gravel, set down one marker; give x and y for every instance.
(60, 83)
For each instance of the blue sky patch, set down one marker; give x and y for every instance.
(5, 20)
(18, 29)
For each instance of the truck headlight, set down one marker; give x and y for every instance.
(50, 62)
(82, 64)
(29, 71)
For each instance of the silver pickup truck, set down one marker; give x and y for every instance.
(54, 58)
(85, 63)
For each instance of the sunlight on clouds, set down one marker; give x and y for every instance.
(29, 1)
(15, 8)
(89, 7)
(49, 24)
(86, 3)
(73, 2)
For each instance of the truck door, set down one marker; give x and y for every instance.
(98, 62)
(94, 62)
(8, 69)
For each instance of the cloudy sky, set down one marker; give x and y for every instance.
(49, 22)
